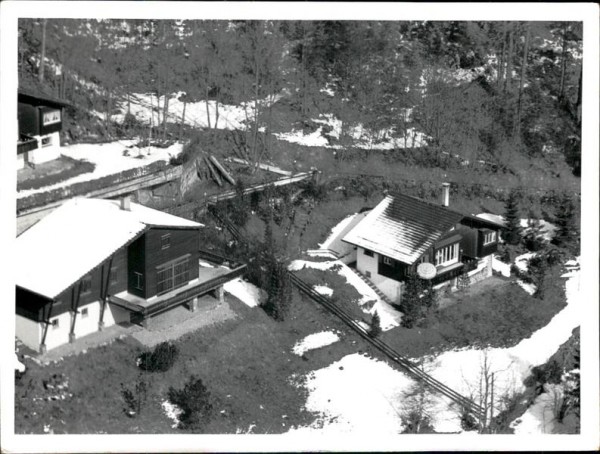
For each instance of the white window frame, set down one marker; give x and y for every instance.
(388, 261)
(489, 238)
(138, 280)
(84, 312)
(368, 253)
(46, 141)
(447, 255)
(165, 241)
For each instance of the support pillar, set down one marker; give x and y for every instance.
(221, 294)
(43, 348)
(100, 325)
(71, 338)
(193, 304)
(72, 331)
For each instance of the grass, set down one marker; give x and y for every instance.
(497, 317)
(67, 168)
(246, 364)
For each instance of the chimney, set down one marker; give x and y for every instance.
(125, 203)
(445, 194)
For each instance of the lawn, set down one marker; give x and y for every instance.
(497, 316)
(246, 364)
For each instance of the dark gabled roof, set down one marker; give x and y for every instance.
(39, 99)
(403, 227)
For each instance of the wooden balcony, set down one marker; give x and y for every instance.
(210, 278)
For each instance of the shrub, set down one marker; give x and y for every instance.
(161, 359)
(375, 329)
(194, 400)
(134, 398)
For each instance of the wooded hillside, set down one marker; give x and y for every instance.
(496, 91)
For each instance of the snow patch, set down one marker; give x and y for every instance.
(323, 290)
(314, 341)
(172, 411)
(109, 159)
(539, 417)
(500, 267)
(246, 292)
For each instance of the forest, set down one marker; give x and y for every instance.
(501, 92)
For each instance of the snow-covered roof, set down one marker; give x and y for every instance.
(78, 236)
(403, 227)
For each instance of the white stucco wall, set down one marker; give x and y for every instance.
(48, 153)
(365, 264)
(114, 314)
(21, 161)
(28, 332)
(60, 335)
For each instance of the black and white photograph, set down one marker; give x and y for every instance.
(336, 226)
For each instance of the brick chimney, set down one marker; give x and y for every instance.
(445, 194)
(126, 203)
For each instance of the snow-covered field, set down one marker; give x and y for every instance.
(109, 158)
(390, 318)
(172, 411)
(358, 394)
(246, 292)
(316, 340)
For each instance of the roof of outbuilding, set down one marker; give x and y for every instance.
(77, 237)
(37, 98)
(403, 227)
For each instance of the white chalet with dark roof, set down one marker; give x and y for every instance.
(402, 232)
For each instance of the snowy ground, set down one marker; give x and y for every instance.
(390, 318)
(376, 409)
(172, 411)
(362, 137)
(323, 290)
(539, 417)
(246, 292)
(522, 262)
(334, 240)
(109, 158)
(313, 341)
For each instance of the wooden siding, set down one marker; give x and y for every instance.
(469, 242)
(484, 250)
(182, 242)
(397, 271)
(29, 121)
(136, 259)
(30, 305)
(65, 299)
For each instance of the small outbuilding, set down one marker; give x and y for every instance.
(40, 122)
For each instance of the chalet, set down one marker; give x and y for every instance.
(92, 263)
(40, 122)
(402, 232)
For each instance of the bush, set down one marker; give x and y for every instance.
(194, 401)
(375, 329)
(134, 398)
(161, 359)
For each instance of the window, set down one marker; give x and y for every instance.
(86, 284)
(84, 312)
(447, 255)
(138, 280)
(388, 261)
(368, 253)
(489, 237)
(368, 274)
(165, 241)
(172, 275)
(46, 141)
(54, 323)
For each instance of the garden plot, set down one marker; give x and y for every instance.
(109, 159)
(389, 317)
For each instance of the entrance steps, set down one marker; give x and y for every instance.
(367, 281)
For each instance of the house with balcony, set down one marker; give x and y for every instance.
(92, 263)
(402, 232)
(40, 123)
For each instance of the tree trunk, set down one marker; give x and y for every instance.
(182, 119)
(206, 101)
(563, 63)
(523, 72)
(509, 59)
(502, 61)
(43, 56)
(165, 116)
